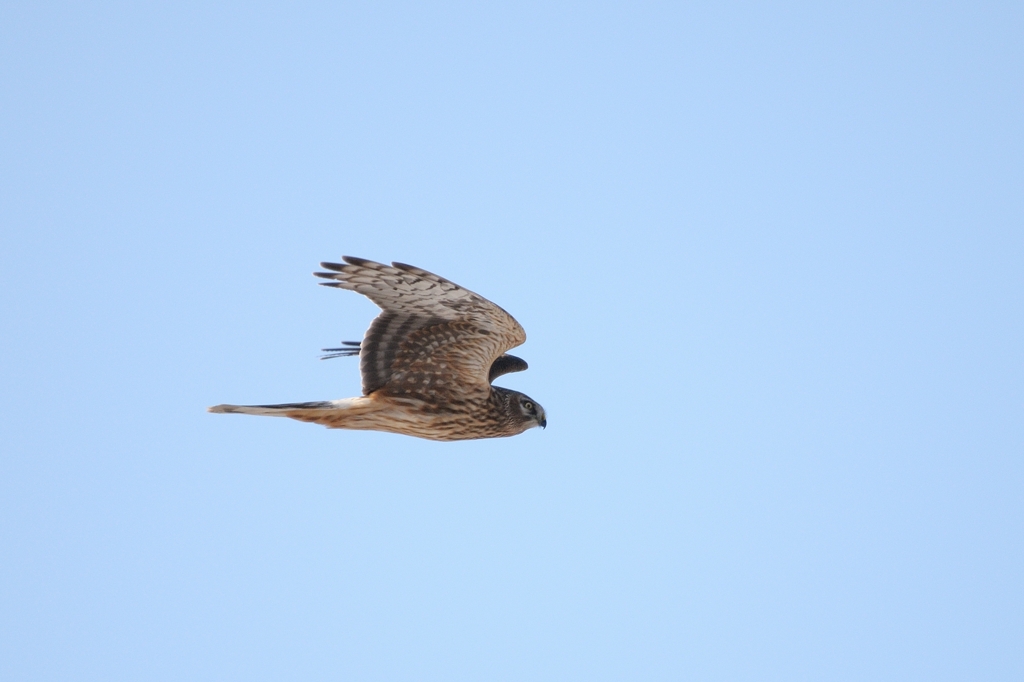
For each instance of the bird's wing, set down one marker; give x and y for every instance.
(431, 336)
(503, 364)
(506, 364)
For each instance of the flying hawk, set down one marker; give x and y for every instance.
(427, 361)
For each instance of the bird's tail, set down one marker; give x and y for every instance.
(271, 410)
(347, 413)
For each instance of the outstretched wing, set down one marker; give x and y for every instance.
(431, 336)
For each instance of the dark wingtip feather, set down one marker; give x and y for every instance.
(504, 364)
(405, 267)
(352, 260)
(350, 349)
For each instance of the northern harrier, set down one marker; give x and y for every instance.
(427, 361)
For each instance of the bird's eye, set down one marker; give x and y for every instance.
(528, 405)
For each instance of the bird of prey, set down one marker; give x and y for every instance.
(427, 361)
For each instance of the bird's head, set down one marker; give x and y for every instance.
(528, 411)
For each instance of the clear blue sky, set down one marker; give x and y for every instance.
(770, 259)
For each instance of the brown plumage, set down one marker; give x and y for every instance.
(427, 361)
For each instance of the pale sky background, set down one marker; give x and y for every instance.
(769, 256)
